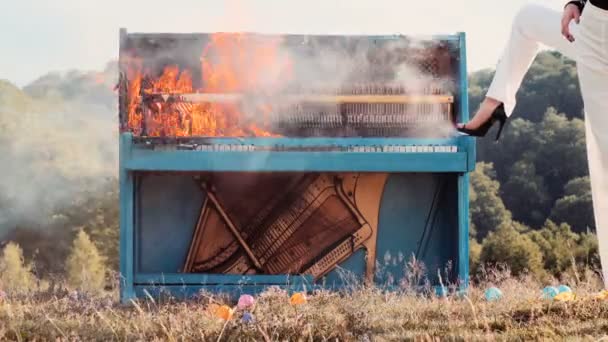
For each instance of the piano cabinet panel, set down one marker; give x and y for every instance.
(325, 227)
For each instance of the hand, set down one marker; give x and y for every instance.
(570, 12)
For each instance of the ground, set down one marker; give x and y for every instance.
(363, 314)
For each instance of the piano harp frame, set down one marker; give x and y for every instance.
(154, 236)
(360, 193)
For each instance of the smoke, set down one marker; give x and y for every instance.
(330, 65)
(58, 135)
(58, 144)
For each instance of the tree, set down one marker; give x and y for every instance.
(525, 193)
(586, 251)
(534, 162)
(576, 206)
(563, 154)
(52, 241)
(85, 266)
(15, 274)
(519, 138)
(557, 244)
(474, 255)
(507, 245)
(551, 81)
(487, 209)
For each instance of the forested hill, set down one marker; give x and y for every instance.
(531, 204)
(58, 155)
(541, 162)
(530, 198)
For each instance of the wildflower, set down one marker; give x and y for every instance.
(297, 298)
(564, 297)
(248, 318)
(2, 296)
(245, 301)
(224, 312)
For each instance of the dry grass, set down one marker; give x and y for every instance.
(361, 315)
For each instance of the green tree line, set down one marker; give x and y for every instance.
(531, 204)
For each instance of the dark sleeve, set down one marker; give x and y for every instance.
(579, 3)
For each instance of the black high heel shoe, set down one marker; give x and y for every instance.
(497, 115)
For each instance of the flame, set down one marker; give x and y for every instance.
(134, 77)
(236, 63)
(172, 81)
(230, 63)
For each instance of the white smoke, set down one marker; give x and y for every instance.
(58, 142)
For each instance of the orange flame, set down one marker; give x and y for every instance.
(230, 63)
(134, 75)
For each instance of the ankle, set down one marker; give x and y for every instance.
(489, 105)
(492, 102)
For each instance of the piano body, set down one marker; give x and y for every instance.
(299, 161)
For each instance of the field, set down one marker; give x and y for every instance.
(361, 314)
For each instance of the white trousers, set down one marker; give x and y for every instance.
(535, 25)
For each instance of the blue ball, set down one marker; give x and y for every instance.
(564, 288)
(247, 318)
(549, 292)
(493, 293)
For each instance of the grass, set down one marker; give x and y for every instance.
(362, 314)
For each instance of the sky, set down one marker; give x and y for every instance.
(40, 36)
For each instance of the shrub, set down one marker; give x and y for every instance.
(86, 268)
(16, 275)
(507, 245)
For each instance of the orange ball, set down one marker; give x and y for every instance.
(297, 298)
(224, 312)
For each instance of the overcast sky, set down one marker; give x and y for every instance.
(38, 36)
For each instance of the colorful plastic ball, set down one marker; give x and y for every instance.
(224, 312)
(603, 295)
(492, 294)
(298, 298)
(248, 318)
(549, 292)
(564, 288)
(245, 301)
(564, 297)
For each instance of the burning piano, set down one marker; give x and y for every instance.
(250, 160)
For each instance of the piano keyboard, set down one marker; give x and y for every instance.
(350, 148)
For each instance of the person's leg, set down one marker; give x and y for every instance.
(532, 27)
(596, 132)
(592, 69)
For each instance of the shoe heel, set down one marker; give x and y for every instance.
(501, 116)
(498, 115)
(502, 125)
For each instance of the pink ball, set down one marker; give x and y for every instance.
(245, 301)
